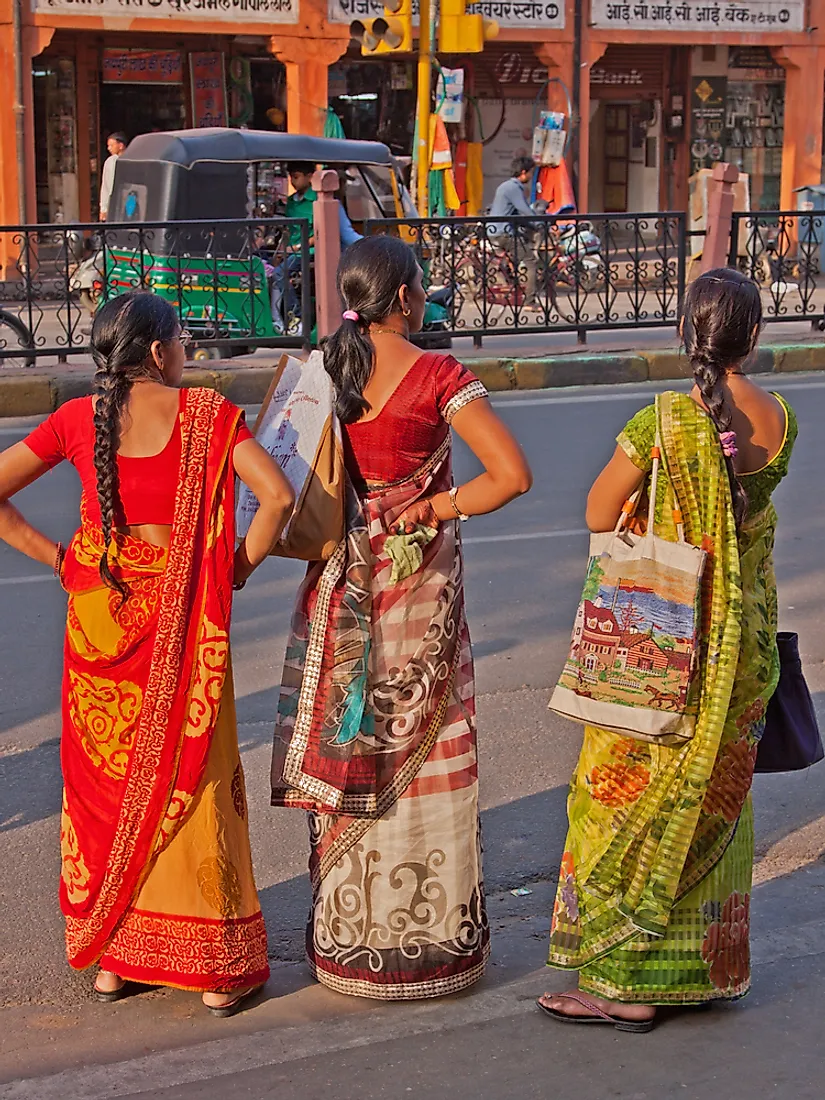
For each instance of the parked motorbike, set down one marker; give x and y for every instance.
(86, 280)
(435, 332)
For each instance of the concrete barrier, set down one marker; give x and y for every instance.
(36, 392)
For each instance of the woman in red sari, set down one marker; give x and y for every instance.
(156, 882)
(376, 732)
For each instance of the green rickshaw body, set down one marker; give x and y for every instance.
(214, 298)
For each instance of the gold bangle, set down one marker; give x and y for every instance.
(452, 495)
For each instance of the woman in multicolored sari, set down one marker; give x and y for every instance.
(376, 732)
(157, 883)
(654, 892)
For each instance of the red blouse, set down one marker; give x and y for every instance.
(146, 486)
(414, 421)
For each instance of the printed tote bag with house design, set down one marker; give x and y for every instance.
(634, 653)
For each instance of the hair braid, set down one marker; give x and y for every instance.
(708, 377)
(722, 316)
(123, 333)
(113, 389)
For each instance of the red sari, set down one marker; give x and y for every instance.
(157, 879)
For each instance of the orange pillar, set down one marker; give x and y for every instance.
(307, 61)
(802, 148)
(35, 40)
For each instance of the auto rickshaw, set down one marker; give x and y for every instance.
(197, 216)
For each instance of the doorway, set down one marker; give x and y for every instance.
(616, 156)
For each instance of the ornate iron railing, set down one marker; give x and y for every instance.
(235, 284)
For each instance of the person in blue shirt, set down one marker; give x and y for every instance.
(510, 201)
(299, 205)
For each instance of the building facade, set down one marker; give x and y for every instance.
(664, 89)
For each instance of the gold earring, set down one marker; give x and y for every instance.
(406, 312)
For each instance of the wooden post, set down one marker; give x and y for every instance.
(327, 252)
(720, 216)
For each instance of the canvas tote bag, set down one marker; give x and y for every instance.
(297, 425)
(634, 652)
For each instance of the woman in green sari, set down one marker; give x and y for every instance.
(652, 906)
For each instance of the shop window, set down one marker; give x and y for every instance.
(755, 133)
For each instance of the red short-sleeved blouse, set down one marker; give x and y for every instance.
(414, 421)
(147, 486)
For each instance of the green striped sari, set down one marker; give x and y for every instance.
(654, 891)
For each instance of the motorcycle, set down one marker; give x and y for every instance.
(86, 281)
(435, 332)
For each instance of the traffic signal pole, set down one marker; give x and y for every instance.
(424, 70)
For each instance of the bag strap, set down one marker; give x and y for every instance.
(629, 507)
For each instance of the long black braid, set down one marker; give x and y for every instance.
(722, 317)
(123, 333)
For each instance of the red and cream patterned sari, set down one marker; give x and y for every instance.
(376, 736)
(157, 879)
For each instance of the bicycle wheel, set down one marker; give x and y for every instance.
(16, 342)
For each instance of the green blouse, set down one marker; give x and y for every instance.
(639, 436)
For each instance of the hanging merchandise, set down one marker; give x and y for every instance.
(443, 195)
(549, 139)
(449, 95)
(241, 103)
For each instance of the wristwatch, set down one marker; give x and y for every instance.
(453, 494)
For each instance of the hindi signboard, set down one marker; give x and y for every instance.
(507, 13)
(141, 67)
(745, 16)
(208, 89)
(238, 12)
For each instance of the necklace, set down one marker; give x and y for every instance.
(387, 331)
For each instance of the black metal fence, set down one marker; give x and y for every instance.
(576, 273)
(783, 253)
(236, 284)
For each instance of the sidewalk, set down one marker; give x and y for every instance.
(528, 362)
(490, 1042)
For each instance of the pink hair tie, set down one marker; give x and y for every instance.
(350, 315)
(728, 441)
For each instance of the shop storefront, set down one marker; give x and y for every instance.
(375, 100)
(86, 87)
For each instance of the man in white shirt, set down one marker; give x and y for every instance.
(115, 143)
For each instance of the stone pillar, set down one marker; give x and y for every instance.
(802, 148)
(307, 61)
(720, 216)
(327, 232)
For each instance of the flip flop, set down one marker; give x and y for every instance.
(229, 1009)
(638, 1027)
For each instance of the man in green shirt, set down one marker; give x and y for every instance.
(298, 205)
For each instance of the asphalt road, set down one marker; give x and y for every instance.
(524, 574)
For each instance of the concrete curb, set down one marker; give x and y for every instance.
(36, 392)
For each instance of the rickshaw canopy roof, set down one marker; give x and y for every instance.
(224, 144)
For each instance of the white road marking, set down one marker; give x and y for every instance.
(569, 533)
(27, 580)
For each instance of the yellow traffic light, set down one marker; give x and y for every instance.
(390, 33)
(460, 32)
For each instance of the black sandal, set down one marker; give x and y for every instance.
(109, 996)
(638, 1027)
(229, 1009)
